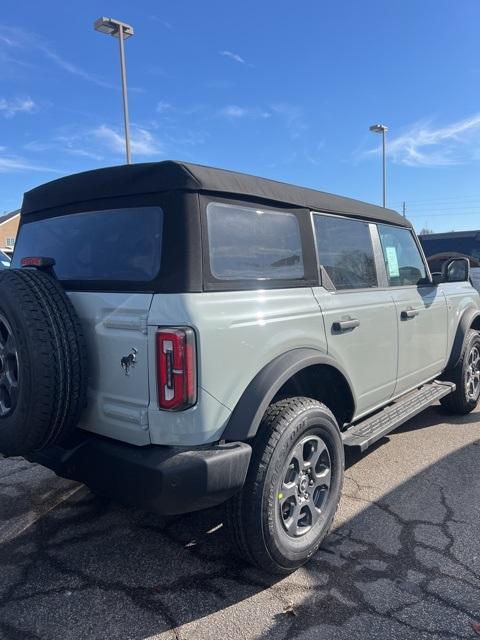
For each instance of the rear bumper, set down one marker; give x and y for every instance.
(165, 480)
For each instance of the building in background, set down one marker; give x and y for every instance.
(8, 229)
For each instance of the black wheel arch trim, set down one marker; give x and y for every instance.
(249, 410)
(469, 316)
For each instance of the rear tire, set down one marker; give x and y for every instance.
(43, 368)
(298, 452)
(466, 376)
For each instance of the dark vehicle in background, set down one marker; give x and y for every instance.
(4, 260)
(439, 247)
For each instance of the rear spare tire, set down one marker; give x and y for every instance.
(43, 368)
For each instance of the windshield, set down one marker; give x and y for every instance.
(122, 245)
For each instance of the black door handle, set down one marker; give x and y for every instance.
(409, 313)
(346, 325)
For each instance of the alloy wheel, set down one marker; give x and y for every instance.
(472, 375)
(304, 486)
(8, 369)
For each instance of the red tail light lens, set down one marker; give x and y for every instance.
(176, 369)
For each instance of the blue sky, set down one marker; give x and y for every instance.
(274, 88)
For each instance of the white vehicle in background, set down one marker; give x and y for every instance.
(440, 247)
(4, 260)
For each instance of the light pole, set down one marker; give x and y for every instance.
(381, 128)
(122, 31)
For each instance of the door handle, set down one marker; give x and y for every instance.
(345, 325)
(409, 313)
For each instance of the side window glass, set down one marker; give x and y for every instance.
(253, 244)
(403, 260)
(345, 251)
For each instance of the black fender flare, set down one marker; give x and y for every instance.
(249, 410)
(469, 316)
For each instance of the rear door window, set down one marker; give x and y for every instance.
(253, 244)
(345, 251)
(121, 245)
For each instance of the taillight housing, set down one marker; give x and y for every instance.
(176, 368)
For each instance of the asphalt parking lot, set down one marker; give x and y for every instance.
(403, 560)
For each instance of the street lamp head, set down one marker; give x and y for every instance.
(112, 27)
(379, 128)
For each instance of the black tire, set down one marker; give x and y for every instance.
(257, 517)
(43, 368)
(465, 397)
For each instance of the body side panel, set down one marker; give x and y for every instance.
(115, 326)
(238, 333)
(423, 343)
(369, 352)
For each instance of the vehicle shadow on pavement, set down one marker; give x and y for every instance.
(398, 564)
(434, 416)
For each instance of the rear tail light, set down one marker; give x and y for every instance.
(176, 369)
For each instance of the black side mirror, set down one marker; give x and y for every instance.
(456, 270)
(437, 277)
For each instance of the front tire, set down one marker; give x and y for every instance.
(293, 486)
(466, 376)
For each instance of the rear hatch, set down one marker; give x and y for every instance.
(107, 260)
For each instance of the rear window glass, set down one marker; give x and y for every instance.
(253, 244)
(114, 244)
(345, 251)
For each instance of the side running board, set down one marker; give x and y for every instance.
(371, 429)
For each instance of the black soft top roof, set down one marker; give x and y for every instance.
(156, 177)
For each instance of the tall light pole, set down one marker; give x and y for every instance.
(122, 31)
(381, 128)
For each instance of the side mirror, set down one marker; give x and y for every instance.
(437, 277)
(456, 270)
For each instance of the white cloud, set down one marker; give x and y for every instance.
(232, 56)
(165, 23)
(142, 142)
(14, 164)
(65, 143)
(15, 41)
(164, 107)
(9, 108)
(293, 119)
(423, 145)
(72, 68)
(234, 111)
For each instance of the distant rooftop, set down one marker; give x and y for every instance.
(8, 216)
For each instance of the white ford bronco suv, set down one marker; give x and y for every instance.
(177, 336)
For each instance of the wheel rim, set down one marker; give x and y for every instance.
(472, 374)
(8, 369)
(304, 486)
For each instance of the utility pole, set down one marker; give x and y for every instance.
(381, 128)
(122, 31)
(404, 208)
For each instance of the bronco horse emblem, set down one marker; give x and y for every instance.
(129, 361)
